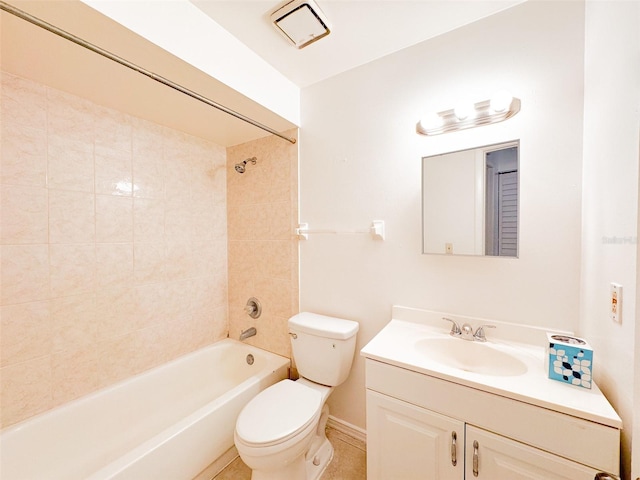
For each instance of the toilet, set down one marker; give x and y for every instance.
(280, 433)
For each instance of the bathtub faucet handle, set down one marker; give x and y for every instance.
(253, 307)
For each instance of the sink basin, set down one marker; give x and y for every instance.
(471, 356)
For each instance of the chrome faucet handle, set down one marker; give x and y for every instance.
(455, 328)
(479, 336)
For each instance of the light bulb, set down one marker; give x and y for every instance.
(430, 121)
(501, 101)
(464, 111)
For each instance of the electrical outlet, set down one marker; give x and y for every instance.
(615, 302)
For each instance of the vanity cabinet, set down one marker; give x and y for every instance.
(411, 443)
(422, 427)
(495, 457)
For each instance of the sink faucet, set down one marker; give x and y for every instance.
(249, 332)
(466, 331)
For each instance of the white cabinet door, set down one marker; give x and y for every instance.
(498, 458)
(406, 442)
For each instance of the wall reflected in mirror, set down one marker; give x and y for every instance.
(470, 201)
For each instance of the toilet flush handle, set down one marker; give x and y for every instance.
(293, 335)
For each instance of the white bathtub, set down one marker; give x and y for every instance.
(172, 422)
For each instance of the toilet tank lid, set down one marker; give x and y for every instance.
(323, 326)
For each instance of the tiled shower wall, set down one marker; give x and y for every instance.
(263, 250)
(113, 246)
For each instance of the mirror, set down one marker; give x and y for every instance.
(470, 201)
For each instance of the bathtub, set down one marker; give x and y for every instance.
(172, 422)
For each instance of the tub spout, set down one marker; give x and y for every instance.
(249, 332)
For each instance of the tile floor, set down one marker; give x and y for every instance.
(349, 461)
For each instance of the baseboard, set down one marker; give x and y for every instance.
(347, 429)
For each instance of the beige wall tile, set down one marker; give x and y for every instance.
(70, 164)
(210, 258)
(148, 176)
(73, 269)
(24, 102)
(203, 331)
(170, 339)
(148, 160)
(25, 389)
(73, 322)
(114, 265)
(208, 292)
(151, 350)
(116, 272)
(177, 167)
(279, 221)
(277, 188)
(117, 358)
(25, 217)
(113, 130)
(148, 216)
(71, 217)
(220, 323)
(26, 332)
(148, 263)
(114, 171)
(150, 305)
(177, 303)
(24, 273)
(115, 312)
(23, 159)
(276, 334)
(69, 116)
(180, 260)
(177, 219)
(114, 219)
(219, 223)
(74, 373)
(23, 128)
(276, 295)
(262, 213)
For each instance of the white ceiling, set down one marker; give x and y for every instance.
(361, 30)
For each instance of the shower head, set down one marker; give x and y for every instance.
(242, 166)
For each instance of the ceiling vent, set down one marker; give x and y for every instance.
(301, 22)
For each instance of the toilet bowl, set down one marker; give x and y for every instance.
(276, 429)
(280, 433)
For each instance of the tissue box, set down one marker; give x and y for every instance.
(570, 360)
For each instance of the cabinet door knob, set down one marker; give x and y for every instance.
(454, 454)
(475, 458)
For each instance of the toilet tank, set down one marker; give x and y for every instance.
(323, 347)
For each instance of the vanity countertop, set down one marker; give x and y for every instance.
(395, 345)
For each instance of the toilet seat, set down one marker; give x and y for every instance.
(278, 413)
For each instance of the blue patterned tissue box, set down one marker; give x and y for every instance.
(570, 360)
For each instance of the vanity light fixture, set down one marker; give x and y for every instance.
(301, 22)
(500, 107)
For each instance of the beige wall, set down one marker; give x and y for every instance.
(114, 246)
(263, 252)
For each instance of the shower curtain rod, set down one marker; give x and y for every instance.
(158, 78)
